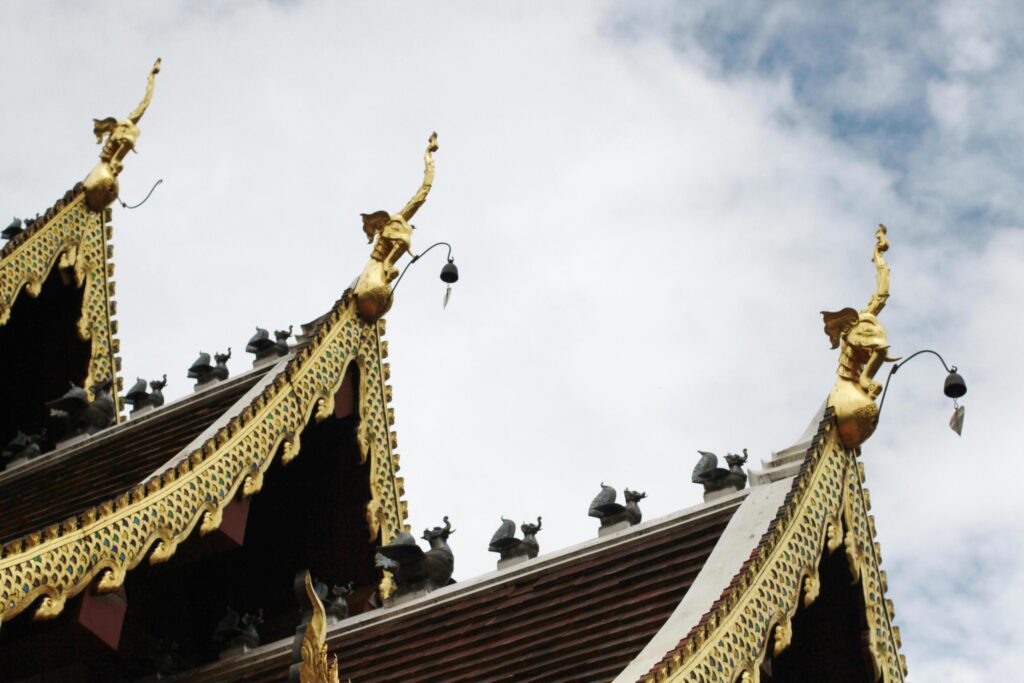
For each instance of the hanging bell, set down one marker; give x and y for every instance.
(955, 387)
(450, 273)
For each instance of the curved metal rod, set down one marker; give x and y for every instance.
(135, 206)
(903, 362)
(418, 256)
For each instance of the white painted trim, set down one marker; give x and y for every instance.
(741, 536)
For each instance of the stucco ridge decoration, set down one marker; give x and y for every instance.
(826, 508)
(72, 236)
(58, 562)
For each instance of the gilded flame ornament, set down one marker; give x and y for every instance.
(393, 236)
(864, 349)
(118, 138)
(316, 666)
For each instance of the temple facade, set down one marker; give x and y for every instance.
(255, 530)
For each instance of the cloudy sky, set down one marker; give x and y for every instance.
(649, 204)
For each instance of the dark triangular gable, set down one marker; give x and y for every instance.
(56, 312)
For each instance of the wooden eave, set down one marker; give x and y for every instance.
(151, 517)
(826, 508)
(73, 236)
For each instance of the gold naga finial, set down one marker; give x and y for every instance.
(315, 665)
(864, 349)
(394, 238)
(118, 138)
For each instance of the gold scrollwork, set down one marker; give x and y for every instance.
(49, 607)
(812, 588)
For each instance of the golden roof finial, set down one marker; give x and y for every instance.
(101, 184)
(316, 666)
(864, 349)
(394, 238)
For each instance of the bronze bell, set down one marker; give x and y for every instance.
(450, 273)
(955, 387)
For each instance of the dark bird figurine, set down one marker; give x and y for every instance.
(334, 598)
(162, 655)
(238, 631)
(201, 370)
(156, 399)
(21, 446)
(101, 412)
(64, 420)
(414, 569)
(13, 230)
(715, 478)
(73, 414)
(504, 540)
(609, 512)
(261, 345)
(336, 601)
(281, 345)
(220, 371)
(138, 395)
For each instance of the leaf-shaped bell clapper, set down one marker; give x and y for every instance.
(956, 423)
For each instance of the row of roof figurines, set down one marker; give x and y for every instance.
(417, 572)
(73, 416)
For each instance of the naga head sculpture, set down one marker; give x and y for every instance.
(392, 238)
(865, 348)
(118, 138)
(859, 330)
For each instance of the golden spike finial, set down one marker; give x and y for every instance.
(315, 665)
(118, 138)
(393, 236)
(864, 349)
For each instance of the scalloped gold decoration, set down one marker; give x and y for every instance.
(827, 509)
(115, 538)
(74, 237)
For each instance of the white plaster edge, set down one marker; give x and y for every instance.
(236, 408)
(741, 536)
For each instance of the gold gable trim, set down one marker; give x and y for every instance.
(827, 508)
(107, 541)
(71, 236)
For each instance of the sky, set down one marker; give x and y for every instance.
(649, 204)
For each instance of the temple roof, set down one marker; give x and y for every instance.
(579, 614)
(204, 464)
(708, 593)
